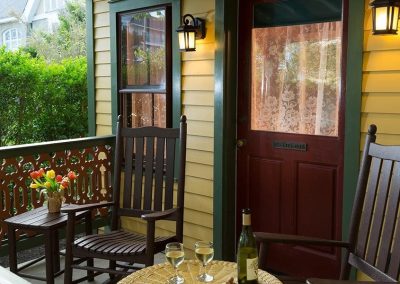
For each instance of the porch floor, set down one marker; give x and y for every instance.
(40, 268)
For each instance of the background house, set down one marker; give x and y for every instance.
(19, 17)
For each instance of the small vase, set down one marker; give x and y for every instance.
(54, 202)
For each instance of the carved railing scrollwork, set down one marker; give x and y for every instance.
(89, 158)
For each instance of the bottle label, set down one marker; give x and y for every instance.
(252, 268)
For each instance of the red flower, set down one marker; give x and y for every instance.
(40, 172)
(71, 175)
(59, 178)
(34, 175)
(65, 183)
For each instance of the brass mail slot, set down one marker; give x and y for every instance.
(296, 146)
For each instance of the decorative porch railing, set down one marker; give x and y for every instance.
(90, 158)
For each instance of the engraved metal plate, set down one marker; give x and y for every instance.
(296, 146)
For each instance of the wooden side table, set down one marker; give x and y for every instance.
(189, 269)
(40, 221)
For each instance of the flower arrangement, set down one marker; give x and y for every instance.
(49, 182)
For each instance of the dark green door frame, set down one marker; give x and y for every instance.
(226, 16)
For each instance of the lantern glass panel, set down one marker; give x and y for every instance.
(381, 18)
(181, 39)
(191, 40)
(395, 18)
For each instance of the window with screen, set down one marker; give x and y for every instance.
(144, 83)
(12, 39)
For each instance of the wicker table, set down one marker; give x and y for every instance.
(221, 270)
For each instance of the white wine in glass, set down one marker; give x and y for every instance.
(175, 255)
(204, 253)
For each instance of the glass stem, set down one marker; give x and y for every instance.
(204, 269)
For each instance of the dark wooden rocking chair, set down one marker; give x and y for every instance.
(373, 246)
(148, 155)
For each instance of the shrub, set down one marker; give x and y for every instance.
(41, 101)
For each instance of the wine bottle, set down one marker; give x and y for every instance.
(247, 256)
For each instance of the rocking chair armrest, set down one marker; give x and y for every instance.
(73, 208)
(160, 215)
(263, 237)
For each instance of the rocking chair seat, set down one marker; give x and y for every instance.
(119, 243)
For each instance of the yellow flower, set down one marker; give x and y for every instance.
(47, 184)
(61, 187)
(51, 174)
(34, 185)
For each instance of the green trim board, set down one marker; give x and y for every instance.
(225, 116)
(128, 5)
(353, 109)
(225, 129)
(90, 69)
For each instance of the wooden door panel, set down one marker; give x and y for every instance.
(315, 200)
(264, 192)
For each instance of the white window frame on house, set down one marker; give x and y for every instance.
(52, 5)
(14, 40)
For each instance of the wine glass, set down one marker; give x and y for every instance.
(204, 253)
(175, 255)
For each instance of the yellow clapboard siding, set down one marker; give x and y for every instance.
(198, 217)
(165, 227)
(200, 128)
(381, 82)
(201, 67)
(101, 20)
(103, 95)
(199, 186)
(200, 143)
(200, 157)
(199, 170)
(102, 44)
(381, 103)
(103, 119)
(387, 42)
(103, 70)
(386, 123)
(195, 231)
(198, 83)
(386, 139)
(101, 7)
(198, 7)
(103, 82)
(200, 98)
(382, 60)
(103, 107)
(204, 51)
(203, 113)
(103, 130)
(102, 32)
(103, 57)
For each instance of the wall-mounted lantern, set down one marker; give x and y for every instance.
(190, 30)
(385, 16)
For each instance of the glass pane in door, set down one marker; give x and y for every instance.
(296, 78)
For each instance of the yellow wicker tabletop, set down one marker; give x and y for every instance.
(189, 269)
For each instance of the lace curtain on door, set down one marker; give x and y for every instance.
(296, 78)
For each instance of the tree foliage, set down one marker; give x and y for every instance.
(41, 101)
(68, 40)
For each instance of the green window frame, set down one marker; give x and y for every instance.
(120, 7)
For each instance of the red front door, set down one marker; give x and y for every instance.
(290, 129)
